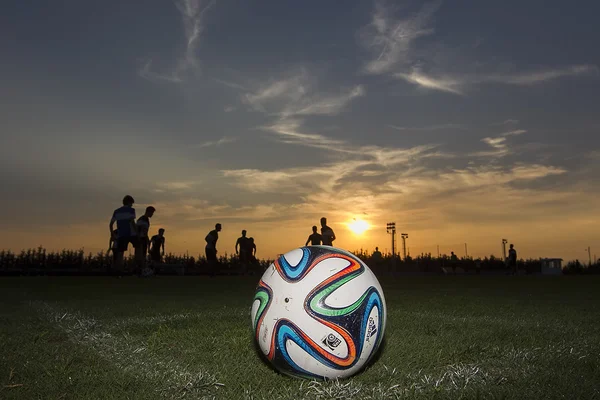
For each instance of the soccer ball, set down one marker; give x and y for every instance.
(318, 312)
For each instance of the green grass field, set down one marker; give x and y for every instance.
(190, 337)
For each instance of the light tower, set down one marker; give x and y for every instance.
(404, 236)
(504, 241)
(391, 228)
(589, 250)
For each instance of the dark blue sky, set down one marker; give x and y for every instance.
(282, 111)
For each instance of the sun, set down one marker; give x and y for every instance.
(358, 226)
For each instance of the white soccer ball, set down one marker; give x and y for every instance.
(318, 312)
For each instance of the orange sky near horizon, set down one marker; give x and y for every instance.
(546, 239)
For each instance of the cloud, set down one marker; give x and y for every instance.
(277, 92)
(396, 180)
(297, 95)
(444, 84)
(458, 84)
(229, 109)
(429, 127)
(514, 133)
(507, 122)
(292, 99)
(215, 143)
(499, 144)
(535, 77)
(175, 186)
(192, 14)
(324, 105)
(288, 132)
(390, 40)
(229, 84)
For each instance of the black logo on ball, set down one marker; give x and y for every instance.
(331, 341)
(372, 328)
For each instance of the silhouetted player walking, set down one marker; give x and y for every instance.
(512, 259)
(211, 249)
(141, 252)
(327, 235)
(157, 243)
(124, 217)
(314, 238)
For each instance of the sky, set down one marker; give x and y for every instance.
(460, 121)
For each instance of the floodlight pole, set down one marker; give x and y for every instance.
(504, 241)
(590, 255)
(404, 236)
(391, 228)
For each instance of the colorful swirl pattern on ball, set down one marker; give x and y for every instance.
(264, 294)
(316, 307)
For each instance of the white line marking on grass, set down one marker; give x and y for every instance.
(126, 353)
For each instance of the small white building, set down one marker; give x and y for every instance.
(551, 266)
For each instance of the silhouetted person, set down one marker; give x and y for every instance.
(124, 217)
(453, 261)
(252, 249)
(377, 254)
(141, 252)
(211, 249)
(242, 249)
(512, 259)
(327, 235)
(156, 244)
(314, 238)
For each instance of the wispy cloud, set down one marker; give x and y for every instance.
(288, 130)
(297, 95)
(438, 127)
(458, 84)
(444, 84)
(175, 186)
(229, 84)
(392, 37)
(391, 40)
(506, 122)
(292, 99)
(192, 13)
(215, 143)
(499, 144)
(535, 77)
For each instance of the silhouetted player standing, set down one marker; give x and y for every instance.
(211, 248)
(252, 249)
(157, 242)
(512, 259)
(242, 249)
(314, 238)
(377, 254)
(124, 217)
(327, 235)
(143, 228)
